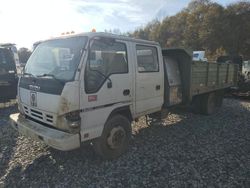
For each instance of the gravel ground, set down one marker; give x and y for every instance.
(186, 150)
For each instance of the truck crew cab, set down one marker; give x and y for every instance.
(91, 86)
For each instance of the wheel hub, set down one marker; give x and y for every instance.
(116, 137)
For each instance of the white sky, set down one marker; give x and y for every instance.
(26, 21)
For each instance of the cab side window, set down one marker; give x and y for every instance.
(2, 58)
(105, 57)
(147, 58)
(7, 59)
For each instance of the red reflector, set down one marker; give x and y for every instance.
(92, 98)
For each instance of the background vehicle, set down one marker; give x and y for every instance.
(246, 69)
(13, 49)
(199, 56)
(8, 78)
(244, 81)
(91, 86)
(243, 86)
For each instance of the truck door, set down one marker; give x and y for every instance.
(8, 79)
(149, 79)
(107, 83)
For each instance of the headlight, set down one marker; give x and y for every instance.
(73, 119)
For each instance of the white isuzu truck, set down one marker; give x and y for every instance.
(90, 87)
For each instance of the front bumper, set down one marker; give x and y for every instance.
(57, 139)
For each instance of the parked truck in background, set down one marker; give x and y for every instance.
(8, 75)
(13, 49)
(243, 86)
(90, 87)
(246, 69)
(199, 56)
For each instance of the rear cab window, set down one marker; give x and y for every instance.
(147, 58)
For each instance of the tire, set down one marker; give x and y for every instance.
(196, 104)
(211, 102)
(219, 99)
(115, 138)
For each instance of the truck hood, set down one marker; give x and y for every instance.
(49, 95)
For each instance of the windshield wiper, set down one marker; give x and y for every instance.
(52, 76)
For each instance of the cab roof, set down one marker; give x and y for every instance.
(108, 35)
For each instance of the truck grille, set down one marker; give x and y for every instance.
(38, 115)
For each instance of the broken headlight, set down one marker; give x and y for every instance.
(73, 119)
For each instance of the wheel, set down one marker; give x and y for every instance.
(211, 102)
(219, 98)
(196, 104)
(115, 137)
(207, 103)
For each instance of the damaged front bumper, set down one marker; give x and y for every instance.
(57, 139)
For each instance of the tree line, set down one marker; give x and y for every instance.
(204, 25)
(24, 54)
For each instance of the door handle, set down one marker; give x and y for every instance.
(158, 87)
(126, 92)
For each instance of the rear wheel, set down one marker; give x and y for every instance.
(115, 137)
(212, 102)
(196, 104)
(219, 99)
(208, 103)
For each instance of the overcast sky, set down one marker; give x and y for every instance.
(26, 21)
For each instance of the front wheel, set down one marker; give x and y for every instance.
(115, 137)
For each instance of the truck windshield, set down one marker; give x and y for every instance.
(58, 58)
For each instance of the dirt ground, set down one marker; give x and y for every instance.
(185, 150)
